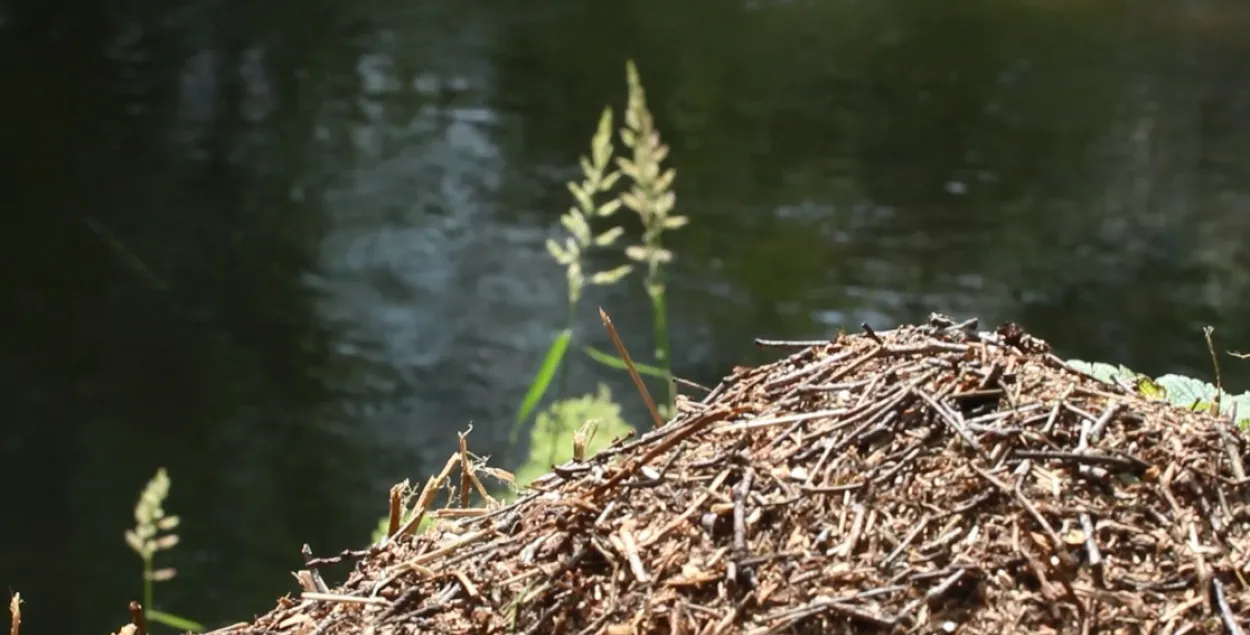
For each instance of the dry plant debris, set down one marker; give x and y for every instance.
(15, 614)
(930, 479)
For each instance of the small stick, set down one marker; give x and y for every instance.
(806, 371)
(346, 555)
(466, 469)
(907, 540)
(872, 335)
(468, 585)
(949, 419)
(690, 511)
(427, 497)
(740, 514)
(1081, 446)
(1103, 419)
(450, 548)
(396, 509)
(763, 343)
(460, 512)
(1055, 541)
(546, 615)
(1091, 543)
(315, 575)
(417, 564)
(857, 529)
(932, 594)
(136, 618)
(1054, 412)
(1226, 612)
(751, 424)
(15, 614)
(631, 554)
(481, 489)
(344, 599)
(1088, 458)
(691, 383)
(1215, 362)
(700, 422)
(629, 364)
(1230, 448)
(305, 580)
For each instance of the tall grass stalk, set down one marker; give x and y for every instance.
(598, 177)
(651, 197)
(153, 532)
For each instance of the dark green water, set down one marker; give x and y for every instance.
(288, 249)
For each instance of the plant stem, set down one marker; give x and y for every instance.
(147, 585)
(570, 320)
(659, 315)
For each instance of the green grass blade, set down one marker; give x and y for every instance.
(173, 621)
(547, 372)
(608, 359)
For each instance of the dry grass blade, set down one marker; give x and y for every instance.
(427, 496)
(15, 614)
(921, 480)
(396, 507)
(633, 372)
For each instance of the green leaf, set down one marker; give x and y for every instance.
(664, 181)
(542, 380)
(576, 223)
(637, 253)
(1102, 371)
(613, 361)
(601, 143)
(1149, 388)
(1242, 402)
(558, 253)
(609, 236)
(605, 185)
(173, 621)
(1187, 392)
(551, 438)
(1196, 394)
(611, 276)
(676, 222)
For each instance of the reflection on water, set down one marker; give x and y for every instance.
(288, 252)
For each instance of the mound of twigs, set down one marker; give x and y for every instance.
(928, 479)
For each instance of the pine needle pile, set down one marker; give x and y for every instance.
(930, 479)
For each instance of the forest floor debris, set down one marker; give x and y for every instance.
(929, 479)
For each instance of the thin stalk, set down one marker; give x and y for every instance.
(147, 585)
(659, 316)
(570, 321)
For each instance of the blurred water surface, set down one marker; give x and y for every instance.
(287, 250)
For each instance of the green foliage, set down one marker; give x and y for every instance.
(152, 533)
(173, 621)
(1178, 390)
(546, 373)
(552, 438)
(590, 422)
(598, 178)
(652, 198)
(612, 361)
(649, 195)
(1104, 372)
(1196, 394)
